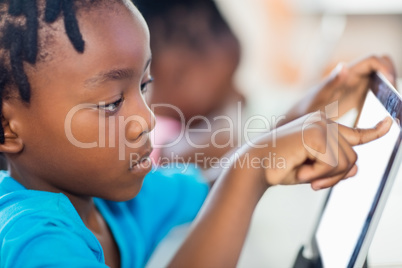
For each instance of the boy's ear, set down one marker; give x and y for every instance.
(12, 142)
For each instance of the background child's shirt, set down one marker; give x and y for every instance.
(43, 229)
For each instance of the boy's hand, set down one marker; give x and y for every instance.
(316, 151)
(347, 84)
(319, 151)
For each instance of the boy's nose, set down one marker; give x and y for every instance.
(141, 122)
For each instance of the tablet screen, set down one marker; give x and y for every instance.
(351, 204)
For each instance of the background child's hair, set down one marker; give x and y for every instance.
(168, 20)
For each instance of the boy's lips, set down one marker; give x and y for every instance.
(143, 164)
(144, 157)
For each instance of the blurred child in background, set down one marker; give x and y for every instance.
(195, 56)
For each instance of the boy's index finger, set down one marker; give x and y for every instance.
(357, 136)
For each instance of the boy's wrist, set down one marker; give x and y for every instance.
(252, 159)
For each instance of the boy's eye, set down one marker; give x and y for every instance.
(144, 87)
(112, 107)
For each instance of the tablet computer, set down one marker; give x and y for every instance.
(353, 208)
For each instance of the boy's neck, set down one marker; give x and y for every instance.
(86, 208)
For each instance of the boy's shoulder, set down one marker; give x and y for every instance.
(36, 223)
(18, 202)
(21, 208)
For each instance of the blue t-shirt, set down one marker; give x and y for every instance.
(43, 229)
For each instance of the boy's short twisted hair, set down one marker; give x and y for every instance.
(20, 23)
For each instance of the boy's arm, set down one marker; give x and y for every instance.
(347, 85)
(220, 229)
(48, 239)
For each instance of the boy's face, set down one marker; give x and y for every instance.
(76, 130)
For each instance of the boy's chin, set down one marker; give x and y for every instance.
(126, 193)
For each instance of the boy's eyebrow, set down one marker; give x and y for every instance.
(115, 74)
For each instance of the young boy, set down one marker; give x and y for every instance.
(75, 126)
